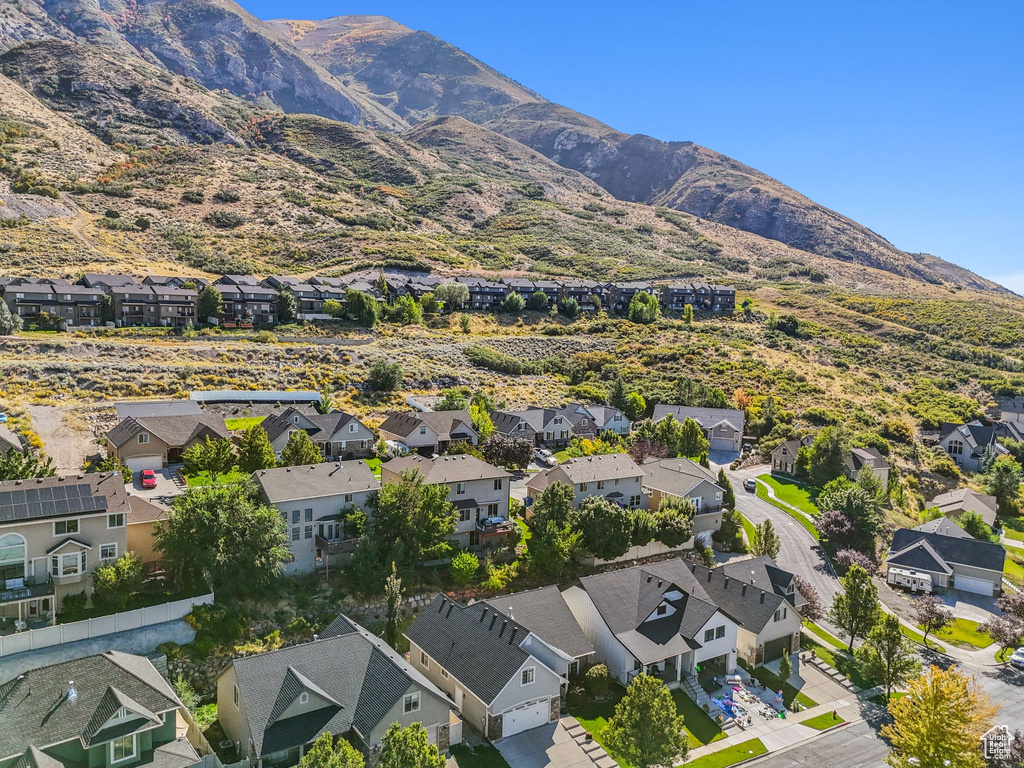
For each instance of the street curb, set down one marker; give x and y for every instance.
(800, 743)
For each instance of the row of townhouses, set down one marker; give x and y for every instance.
(246, 300)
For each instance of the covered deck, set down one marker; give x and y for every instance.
(26, 603)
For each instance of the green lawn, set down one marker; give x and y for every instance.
(790, 491)
(802, 519)
(748, 528)
(964, 632)
(880, 698)
(1003, 655)
(840, 660)
(203, 478)
(1013, 527)
(480, 757)
(822, 722)
(730, 755)
(918, 637)
(824, 634)
(774, 682)
(562, 456)
(243, 422)
(1014, 572)
(374, 465)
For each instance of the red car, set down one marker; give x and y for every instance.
(148, 478)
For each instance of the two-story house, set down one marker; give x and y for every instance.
(584, 292)
(309, 300)
(859, 460)
(968, 445)
(154, 442)
(500, 675)
(54, 532)
(484, 294)
(315, 501)
(348, 683)
(246, 301)
(68, 305)
(337, 434)
(478, 491)
(104, 282)
(688, 480)
(607, 418)
(429, 432)
(785, 455)
(520, 285)
(622, 293)
(548, 426)
(615, 476)
(112, 710)
(722, 426)
(165, 305)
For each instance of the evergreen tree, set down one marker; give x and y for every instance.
(766, 541)
(300, 450)
(211, 303)
(10, 323)
(646, 728)
(728, 494)
(393, 595)
(255, 451)
(214, 456)
(21, 465)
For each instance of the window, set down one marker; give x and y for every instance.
(720, 632)
(718, 496)
(108, 552)
(348, 498)
(295, 533)
(492, 510)
(423, 430)
(122, 749)
(780, 614)
(143, 438)
(309, 532)
(444, 673)
(583, 486)
(424, 660)
(528, 676)
(234, 694)
(464, 515)
(956, 448)
(353, 427)
(67, 565)
(460, 488)
(616, 481)
(499, 482)
(303, 698)
(64, 527)
(295, 516)
(617, 417)
(309, 515)
(584, 422)
(600, 484)
(709, 635)
(115, 520)
(412, 702)
(13, 551)
(634, 501)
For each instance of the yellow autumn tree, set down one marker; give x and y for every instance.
(939, 723)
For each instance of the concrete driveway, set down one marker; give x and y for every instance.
(552, 746)
(167, 484)
(967, 605)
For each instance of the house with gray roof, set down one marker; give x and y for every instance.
(317, 502)
(723, 426)
(154, 442)
(348, 683)
(111, 709)
(939, 556)
(149, 408)
(337, 434)
(960, 500)
(501, 676)
(859, 460)
(429, 432)
(549, 426)
(969, 444)
(54, 532)
(615, 476)
(478, 491)
(687, 480)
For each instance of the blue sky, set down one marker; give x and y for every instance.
(907, 117)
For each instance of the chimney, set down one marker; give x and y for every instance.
(510, 613)
(762, 598)
(315, 638)
(725, 585)
(744, 590)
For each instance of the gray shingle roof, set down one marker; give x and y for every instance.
(544, 612)
(447, 424)
(157, 408)
(325, 425)
(921, 556)
(963, 499)
(955, 551)
(460, 468)
(9, 440)
(173, 430)
(676, 477)
(62, 496)
(308, 481)
(945, 527)
(706, 417)
(588, 469)
(356, 675)
(478, 645)
(34, 709)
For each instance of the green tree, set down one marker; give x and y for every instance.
(931, 615)
(688, 314)
(766, 541)
(1002, 480)
(692, 440)
(553, 548)
(300, 450)
(513, 303)
(452, 295)
(211, 303)
(554, 504)
(785, 667)
(606, 527)
(569, 307)
(538, 301)
(452, 400)
(255, 451)
(287, 306)
(408, 311)
(828, 456)
(429, 304)
(333, 308)
(646, 729)
(482, 422)
(464, 567)
(974, 524)
(21, 465)
(363, 307)
(393, 596)
(728, 494)
(673, 522)
(224, 532)
(106, 309)
(110, 464)
(636, 406)
(889, 655)
(643, 308)
(328, 753)
(856, 608)
(115, 583)
(215, 456)
(465, 323)
(409, 748)
(414, 519)
(384, 375)
(10, 323)
(381, 284)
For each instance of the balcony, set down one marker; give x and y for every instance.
(337, 546)
(708, 509)
(28, 588)
(495, 527)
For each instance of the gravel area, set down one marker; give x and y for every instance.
(68, 443)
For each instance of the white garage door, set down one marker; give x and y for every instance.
(524, 718)
(144, 462)
(977, 586)
(722, 444)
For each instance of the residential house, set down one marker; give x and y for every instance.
(337, 434)
(723, 298)
(348, 683)
(147, 408)
(246, 301)
(315, 501)
(867, 460)
(615, 476)
(309, 301)
(968, 445)
(106, 282)
(154, 442)
(960, 500)
(484, 294)
(477, 490)
(428, 432)
(584, 292)
(138, 305)
(785, 454)
(520, 285)
(9, 441)
(111, 709)
(939, 556)
(500, 675)
(543, 611)
(54, 532)
(174, 281)
(550, 288)
(59, 302)
(723, 426)
(685, 479)
(1011, 409)
(143, 516)
(548, 426)
(767, 629)
(658, 619)
(607, 418)
(622, 293)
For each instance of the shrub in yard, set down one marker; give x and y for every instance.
(114, 584)
(464, 567)
(597, 680)
(74, 603)
(384, 376)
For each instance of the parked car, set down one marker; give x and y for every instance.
(750, 485)
(3, 417)
(544, 457)
(1017, 659)
(147, 478)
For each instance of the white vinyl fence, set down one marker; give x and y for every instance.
(101, 625)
